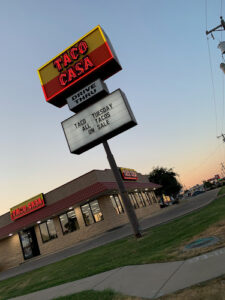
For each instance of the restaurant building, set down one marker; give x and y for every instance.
(78, 210)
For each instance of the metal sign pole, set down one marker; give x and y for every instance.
(126, 200)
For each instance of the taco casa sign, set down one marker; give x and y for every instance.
(27, 207)
(89, 58)
(128, 174)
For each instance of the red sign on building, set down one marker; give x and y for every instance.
(128, 174)
(27, 207)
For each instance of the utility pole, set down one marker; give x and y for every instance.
(217, 28)
(124, 195)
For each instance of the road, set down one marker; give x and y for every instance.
(165, 215)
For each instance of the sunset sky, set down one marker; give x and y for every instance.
(164, 53)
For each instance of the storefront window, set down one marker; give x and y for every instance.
(87, 215)
(91, 212)
(117, 204)
(69, 222)
(133, 200)
(96, 211)
(47, 230)
(140, 199)
(153, 197)
(148, 199)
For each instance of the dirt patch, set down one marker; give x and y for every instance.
(217, 230)
(209, 290)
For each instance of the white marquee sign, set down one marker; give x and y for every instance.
(98, 122)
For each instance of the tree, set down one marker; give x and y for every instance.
(167, 179)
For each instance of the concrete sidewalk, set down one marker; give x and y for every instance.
(149, 281)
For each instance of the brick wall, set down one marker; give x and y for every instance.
(10, 252)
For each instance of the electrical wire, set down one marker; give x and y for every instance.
(221, 14)
(221, 37)
(211, 70)
(213, 87)
(222, 101)
(206, 159)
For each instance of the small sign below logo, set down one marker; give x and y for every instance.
(89, 94)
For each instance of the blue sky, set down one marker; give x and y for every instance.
(163, 50)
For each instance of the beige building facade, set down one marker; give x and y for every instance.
(78, 210)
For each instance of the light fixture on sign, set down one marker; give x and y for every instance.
(10, 234)
(70, 208)
(38, 222)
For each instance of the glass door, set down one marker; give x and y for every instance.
(29, 243)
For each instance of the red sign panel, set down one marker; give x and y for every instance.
(88, 59)
(128, 174)
(27, 207)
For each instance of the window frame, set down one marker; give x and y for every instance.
(115, 197)
(154, 198)
(93, 217)
(50, 237)
(140, 199)
(148, 198)
(132, 197)
(66, 213)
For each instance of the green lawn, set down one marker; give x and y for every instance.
(156, 245)
(221, 191)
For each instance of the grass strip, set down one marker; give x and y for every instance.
(221, 191)
(156, 245)
(213, 289)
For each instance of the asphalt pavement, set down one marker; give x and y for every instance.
(163, 216)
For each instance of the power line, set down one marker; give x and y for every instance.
(210, 63)
(221, 13)
(206, 159)
(206, 15)
(213, 86)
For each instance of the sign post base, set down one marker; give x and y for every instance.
(124, 195)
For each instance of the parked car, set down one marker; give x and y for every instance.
(197, 193)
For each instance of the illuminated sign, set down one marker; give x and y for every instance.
(91, 93)
(166, 199)
(89, 58)
(100, 121)
(27, 207)
(128, 174)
